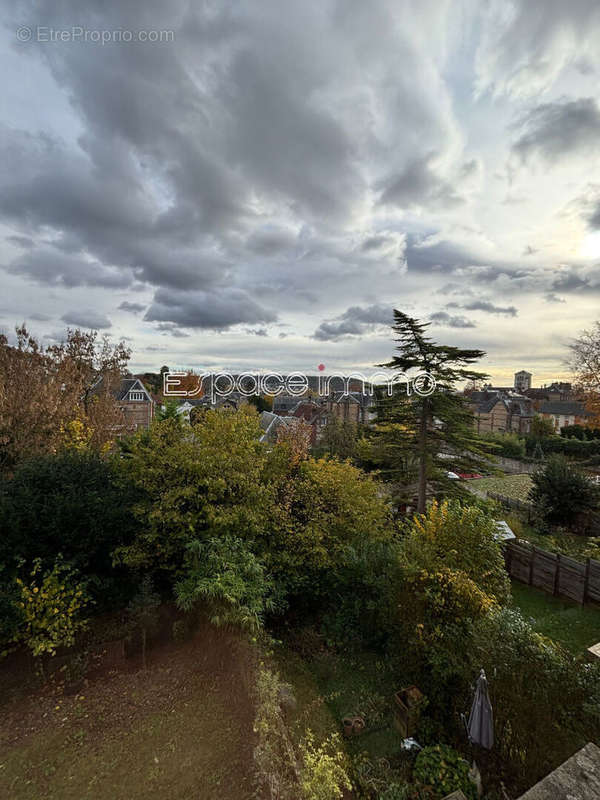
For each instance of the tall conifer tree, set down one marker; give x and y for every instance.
(420, 436)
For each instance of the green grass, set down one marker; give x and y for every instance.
(515, 486)
(332, 685)
(567, 623)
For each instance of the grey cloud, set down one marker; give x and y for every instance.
(485, 305)
(21, 241)
(555, 130)
(570, 282)
(50, 266)
(87, 319)
(553, 298)
(217, 311)
(355, 321)
(419, 185)
(258, 332)
(449, 321)
(134, 308)
(271, 240)
(523, 52)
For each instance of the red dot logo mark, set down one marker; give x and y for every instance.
(321, 367)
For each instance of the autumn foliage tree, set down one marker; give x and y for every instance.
(585, 365)
(52, 396)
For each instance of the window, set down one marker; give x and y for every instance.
(136, 397)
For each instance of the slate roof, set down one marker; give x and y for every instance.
(565, 407)
(270, 422)
(121, 392)
(363, 400)
(285, 403)
(485, 406)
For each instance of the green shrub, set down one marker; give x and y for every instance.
(460, 538)
(445, 770)
(52, 603)
(323, 771)
(509, 445)
(562, 493)
(69, 503)
(225, 575)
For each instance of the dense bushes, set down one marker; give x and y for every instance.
(509, 445)
(579, 432)
(193, 483)
(563, 494)
(228, 578)
(573, 448)
(72, 504)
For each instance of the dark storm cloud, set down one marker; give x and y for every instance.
(217, 311)
(87, 319)
(355, 321)
(556, 130)
(449, 321)
(134, 308)
(484, 305)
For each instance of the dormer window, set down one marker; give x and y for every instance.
(136, 397)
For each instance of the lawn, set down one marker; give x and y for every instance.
(569, 624)
(515, 486)
(330, 685)
(182, 729)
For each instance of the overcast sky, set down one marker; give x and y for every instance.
(261, 190)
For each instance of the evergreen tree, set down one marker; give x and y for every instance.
(169, 411)
(423, 436)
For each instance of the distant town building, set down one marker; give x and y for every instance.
(501, 411)
(523, 381)
(565, 412)
(135, 402)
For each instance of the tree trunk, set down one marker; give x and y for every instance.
(422, 493)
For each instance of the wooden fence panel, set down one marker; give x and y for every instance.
(571, 579)
(545, 566)
(520, 561)
(593, 587)
(554, 574)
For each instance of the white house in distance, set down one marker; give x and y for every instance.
(523, 381)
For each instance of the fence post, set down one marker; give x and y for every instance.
(586, 581)
(557, 574)
(531, 560)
